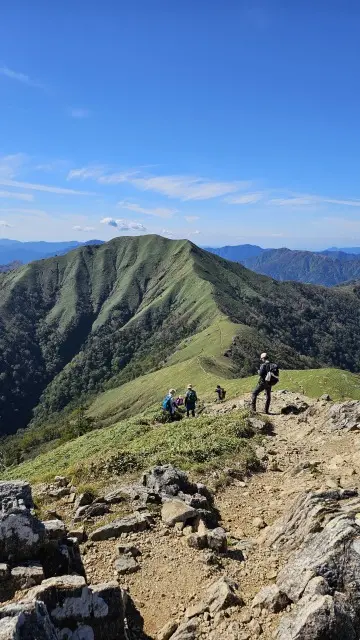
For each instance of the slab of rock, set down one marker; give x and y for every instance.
(187, 630)
(130, 524)
(93, 510)
(84, 499)
(168, 480)
(174, 511)
(59, 492)
(27, 575)
(126, 564)
(271, 599)
(78, 534)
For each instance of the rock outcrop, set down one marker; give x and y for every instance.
(322, 575)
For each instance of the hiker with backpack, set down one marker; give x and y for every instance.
(190, 401)
(221, 393)
(268, 377)
(169, 404)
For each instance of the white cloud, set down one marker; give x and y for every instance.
(161, 212)
(28, 197)
(124, 225)
(78, 113)
(10, 164)
(309, 200)
(247, 198)
(185, 187)
(86, 229)
(5, 224)
(20, 77)
(194, 233)
(167, 232)
(191, 218)
(173, 186)
(44, 187)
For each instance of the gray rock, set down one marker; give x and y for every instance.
(344, 416)
(217, 540)
(167, 631)
(187, 630)
(16, 493)
(84, 499)
(126, 564)
(222, 595)
(177, 511)
(271, 599)
(22, 535)
(59, 492)
(26, 621)
(61, 481)
(27, 575)
(197, 540)
(168, 480)
(325, 397)
(129, 551)
(55, 529)
(93, 510)
(130, 524)
(78, 534)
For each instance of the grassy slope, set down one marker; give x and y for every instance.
(209, 441)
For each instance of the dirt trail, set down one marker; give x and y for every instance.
(300, 454)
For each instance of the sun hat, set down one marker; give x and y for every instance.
(189, 386)
(263, 356)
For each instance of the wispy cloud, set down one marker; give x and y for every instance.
(194, 233)
(168, 233)
(123, 225)
(20, 77)
(78, 113)
(5, 224)
(311, 200)
(172, 186)
(26, 197)
(44, 187)
(11, 164)
(191, 218)
(161, 212)
(247, 198)
(86, 229)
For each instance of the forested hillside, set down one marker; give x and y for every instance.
(102, 315)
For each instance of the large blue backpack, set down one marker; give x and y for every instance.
(166, 403)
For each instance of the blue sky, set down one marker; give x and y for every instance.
(221, 121)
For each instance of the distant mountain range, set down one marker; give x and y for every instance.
(330, 267)
(23, 252)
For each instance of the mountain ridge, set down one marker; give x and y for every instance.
(75, 325)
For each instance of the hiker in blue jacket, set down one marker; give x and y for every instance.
(190, 401)
(169, 403)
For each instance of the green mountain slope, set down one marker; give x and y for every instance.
(101, 316)
(305, 266)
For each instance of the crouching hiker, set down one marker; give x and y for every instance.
(190, 401)
(169, 404)
(268, 377)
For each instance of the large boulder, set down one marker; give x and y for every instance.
(22, 536)
(26, 621)
(15, 494)
(322, 575)
(344, 416)
(174, 511)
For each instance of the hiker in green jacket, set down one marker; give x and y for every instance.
(190, 401)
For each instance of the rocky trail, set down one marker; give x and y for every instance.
(273, 555)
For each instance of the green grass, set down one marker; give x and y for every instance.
(137, 443)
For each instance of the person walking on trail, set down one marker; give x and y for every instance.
(169, 404)
(268, 377)
(190, 401)
(220, 393)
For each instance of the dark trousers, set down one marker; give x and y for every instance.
(262, 386)
(192, 409)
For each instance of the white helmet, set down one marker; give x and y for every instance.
(263, 356)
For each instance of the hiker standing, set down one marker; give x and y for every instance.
(268, 377)
(220, 393)
(169, 404)
(190, 401)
